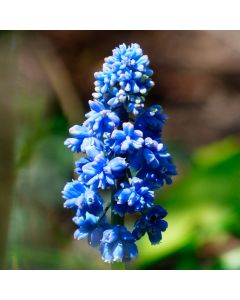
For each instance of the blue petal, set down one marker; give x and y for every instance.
(155, 237)
(118, 252)
(106, 253)
(110, 235)
(79, 131)
(118, 164)
(130, 251)
(78, 235)
(96, 105)
(96, 237)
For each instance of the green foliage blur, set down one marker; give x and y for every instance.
(204, 212)
(203, 203)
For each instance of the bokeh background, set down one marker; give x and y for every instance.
(46, 80)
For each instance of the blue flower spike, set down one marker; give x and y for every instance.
(123, 152)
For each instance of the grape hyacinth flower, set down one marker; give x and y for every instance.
(151, 223)
(118, 245)
(126, 140)
(90, 227)
(134, 196)
(81, 139)
(82, 198)
(124, 153)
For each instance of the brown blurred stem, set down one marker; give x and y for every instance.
(60, 80)
(7, 133)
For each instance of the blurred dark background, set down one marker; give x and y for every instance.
(46, 80)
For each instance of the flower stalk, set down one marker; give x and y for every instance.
(115, 220)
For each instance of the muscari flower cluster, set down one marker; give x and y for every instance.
(123, 152)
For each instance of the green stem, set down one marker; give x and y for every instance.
(116, 220)
(118, 266)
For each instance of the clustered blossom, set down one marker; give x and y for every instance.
(125, 79)
(123, 152)
(134, 196)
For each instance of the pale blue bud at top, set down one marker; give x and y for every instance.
(125, 78)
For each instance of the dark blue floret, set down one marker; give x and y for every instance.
(151, 121)
(152, 224)
(156, 178)
(153, 163)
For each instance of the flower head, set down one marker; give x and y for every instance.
(118, 245)
(125, 79)
(123, 152)
(152, 224)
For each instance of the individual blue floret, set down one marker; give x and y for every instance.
(81, 139)
(153, 163)
(151, 121)
(100, 120)
(100, 172)
(118, 245)
(82, 198)
(90, 227)
(152, 224)
(133, 197)
(126, 140)
(156, 178)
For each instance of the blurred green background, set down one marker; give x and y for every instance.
(46, 80)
